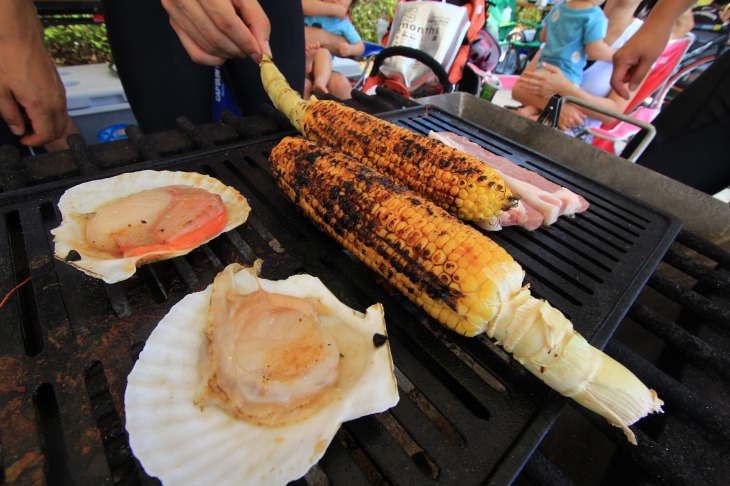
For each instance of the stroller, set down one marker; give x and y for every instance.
(428, 45)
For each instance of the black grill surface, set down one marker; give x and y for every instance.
(467, 415)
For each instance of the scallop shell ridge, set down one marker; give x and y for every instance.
(85, 198)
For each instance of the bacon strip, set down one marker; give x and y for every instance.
(542, 201)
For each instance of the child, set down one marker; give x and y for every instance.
(573, 31)
(339, 25)
(320, 77)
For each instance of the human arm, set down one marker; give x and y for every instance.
(632, 62)
(326, 39)
(29, 82)
(212, 31)
(529, 91)
(353, 44)
(334, 8)
(345, 49)
(600, 51)
(535, 87)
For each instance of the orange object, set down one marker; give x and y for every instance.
(186, 240)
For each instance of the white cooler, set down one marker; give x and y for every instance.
(96, 101)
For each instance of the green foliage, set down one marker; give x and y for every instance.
(86, 43)
(528, 14)
(77, 43)
(365, 16)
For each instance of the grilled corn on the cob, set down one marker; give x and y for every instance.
(455, 273)
(453, 180)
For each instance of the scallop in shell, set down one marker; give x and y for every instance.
(91, 209)
(183, 441)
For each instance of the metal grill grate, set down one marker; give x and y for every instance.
(467, 414)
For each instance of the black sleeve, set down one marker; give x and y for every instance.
(162, 82)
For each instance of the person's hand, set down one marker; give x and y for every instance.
(339, 10)
(212, 31)
(62, 142)
(571, 116)
(632, 62)
(341, 49)
(544, 82)
(32, 96)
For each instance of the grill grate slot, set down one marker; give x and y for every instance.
(23, 300)
(701, 306)
(687, 344)
(346, 463)
(676, 395)
(540, 471)
(113, 435)
(53, 443)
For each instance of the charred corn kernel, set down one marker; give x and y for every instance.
(414, 160)
(483, 293)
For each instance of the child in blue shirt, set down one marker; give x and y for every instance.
(572, 33)
(354, 45)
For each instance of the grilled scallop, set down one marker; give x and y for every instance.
(248, 381)
(111, 226)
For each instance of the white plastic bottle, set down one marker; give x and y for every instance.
(381, 28)
(507, 15)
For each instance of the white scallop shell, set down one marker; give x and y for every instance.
(181, 444)
(88, 197)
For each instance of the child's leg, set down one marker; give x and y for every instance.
(310, 51)
(321, 70)
(339, 86)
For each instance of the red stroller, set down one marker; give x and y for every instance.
(415, 72)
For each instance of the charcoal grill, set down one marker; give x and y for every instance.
(649, 284)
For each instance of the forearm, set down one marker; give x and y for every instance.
(521, 93)
(612, 102)
(632, 62)
(600, 51)
(326, 39)
(19, 25)
(351, 50)
(358, 49)
(665, 13)
(524, 93)
(32, 96)
(329, 9)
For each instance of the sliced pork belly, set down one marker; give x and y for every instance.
(538, 194)
(520, 215)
